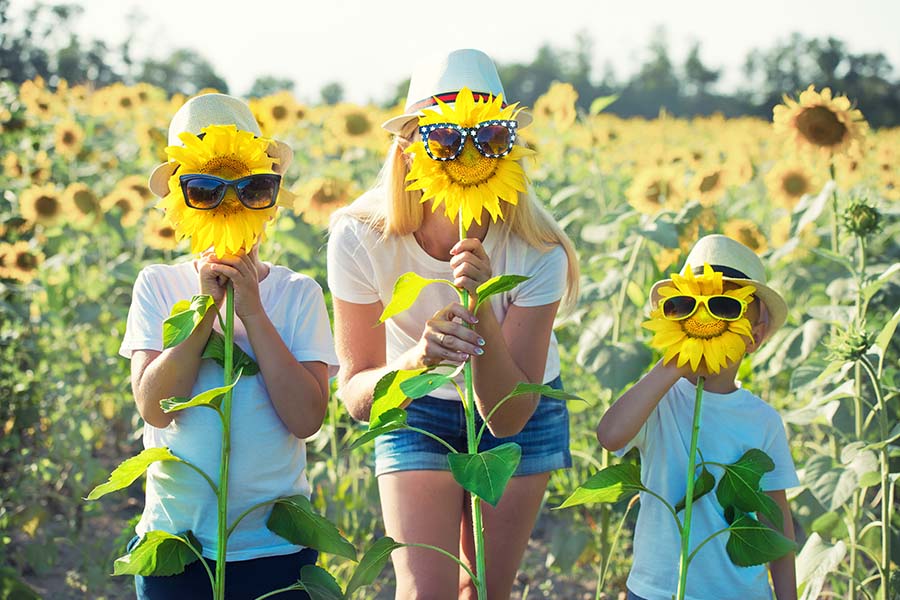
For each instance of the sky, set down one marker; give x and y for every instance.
(369, 46)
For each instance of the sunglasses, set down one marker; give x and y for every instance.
(725, 308)
(445, 141)
(206, 192)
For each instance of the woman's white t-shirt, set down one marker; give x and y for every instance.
(363, 267)
(267, 460)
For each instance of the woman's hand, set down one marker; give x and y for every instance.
(211, 282)
(241, 270)
(447, 339)
(471, 265)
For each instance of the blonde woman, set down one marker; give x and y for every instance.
(389, 231)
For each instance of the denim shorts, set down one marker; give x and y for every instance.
(544, 439)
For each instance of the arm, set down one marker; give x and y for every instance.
(784, 576)
(627, 415)
(298, 390)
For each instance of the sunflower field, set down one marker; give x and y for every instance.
(814, 191)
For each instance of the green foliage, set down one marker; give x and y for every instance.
(608, 485)
(295, 520)
(496, 285)
(371, 564)
(319, 583)
(752, 543)
(406, 289)
(127, 472)
(215, 349)
(703, 485)
(486, 474)
(159, 553)
(185, 317)
(739, 486)
(210, 398)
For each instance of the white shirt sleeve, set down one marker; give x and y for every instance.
(143, 329)
(350, 269)
(548, 280)
(312, 339)
(784, 475)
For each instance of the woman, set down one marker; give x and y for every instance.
(389, 231)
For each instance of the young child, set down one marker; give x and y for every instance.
(282, 323)
(655, 415)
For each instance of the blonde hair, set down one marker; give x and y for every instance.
(402, 213)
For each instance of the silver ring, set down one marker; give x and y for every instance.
(441, 339)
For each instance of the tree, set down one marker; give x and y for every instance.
(332, 93)
(183, 71)
(268, 85)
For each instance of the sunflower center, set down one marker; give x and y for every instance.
(655, 192)
(279, 112)
(821, 127)
(166, 232)
(68, 138)
(325, 195)
(470, 167)
(703, 325)
(709, 182)
(123, 205)
(85, 201)
(227, 166)
(25, 261)
(794, 184)
(46, 206)
(357, 124)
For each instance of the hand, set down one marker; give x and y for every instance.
(241, 270)
(471, 265)
(447, 339)
(211, 282)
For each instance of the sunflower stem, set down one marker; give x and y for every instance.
(834, 208)
(689, 494)
(222, 497)
(472, 445)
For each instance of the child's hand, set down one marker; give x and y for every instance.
(471, 264)
(211, 282)
(446, 339)
(241, 270)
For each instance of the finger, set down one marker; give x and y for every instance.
(472, 271)
(456, 337)
(227, 271)
(455, 311)
(436, 354)
(470, 258)
(472, 245)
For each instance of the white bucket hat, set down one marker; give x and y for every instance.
(442, 77)
(738, 264)
(213, 109)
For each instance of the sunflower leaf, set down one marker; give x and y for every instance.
(704, 484)
(389, 420)
(320, 584)
(497, 285)
(185, 317)
(609, 485)
(388, 394)
(210, 398)
(130, 469)
(751, 543)
(215, 349)
(486, 474)
(739, 486)
(406, 289)
(159, 553)
(372, 564)
(293, 519)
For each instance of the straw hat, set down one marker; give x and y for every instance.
(442, 76)
(737, 263)
(213, 109)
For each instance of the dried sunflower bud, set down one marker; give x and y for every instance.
(861, 218)
(851, 344)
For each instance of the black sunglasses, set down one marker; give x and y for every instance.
(206, 192)
(445, 141)
(725, 308)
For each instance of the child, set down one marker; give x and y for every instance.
(282, 323)
(655, 416)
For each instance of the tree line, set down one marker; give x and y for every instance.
(44, 43)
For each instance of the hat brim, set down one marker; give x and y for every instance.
(404, 125)
(775, 304)
(159, 178)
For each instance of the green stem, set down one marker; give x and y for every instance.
(689, 496)
(472, 443)
(448, 555)
(211, 483)
(222, 537)
(289, 588)
(212, 580)
(620, 300)
(834, 209)
(434, 437)
(245, 513)
(612, 548)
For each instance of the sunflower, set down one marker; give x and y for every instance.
(350, 126)
(746, 232)
(789, 181)
(69, 138)
(226, 152)
(700, 337)
(12, 166)
(40, 168)
(321, 196)
(137, 184)
(159, 234)
(277, 112)
(820, 122)
(18, 261)
(41, 204)
(38, 100)
(81, 203)
(709, 184)
(126, 202)
(557, 106)
(656, 188)
(471, 183)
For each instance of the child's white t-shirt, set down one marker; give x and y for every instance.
(363, 267)
(267, 461)
(730, 424)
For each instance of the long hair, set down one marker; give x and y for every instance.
(388, 207)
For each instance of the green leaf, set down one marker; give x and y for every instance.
(423, 384)
(406, 289)
(815, 563)
(159, 553)
(130, 469)
(372, 564)
(661, 231)
(600, 103)
(739, 486)
(293, 519)
(702, 486)
(390, 420)
(615, 365)
(497, 285)
(887, 333)
(184, 319)
(752, 543)
(543, 390)
(215, 349)
(635, 294)
(319, 583)
(486, 474)
(13, 588)
(209, 398)
(388, 395)
(609, 485)
(872, 288)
